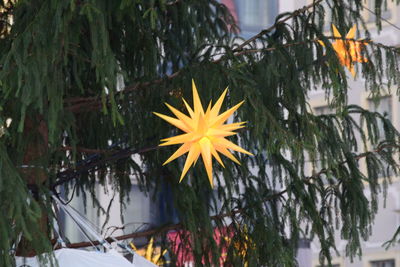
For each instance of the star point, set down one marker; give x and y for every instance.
(348, 50)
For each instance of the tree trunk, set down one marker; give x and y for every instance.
(36, 134)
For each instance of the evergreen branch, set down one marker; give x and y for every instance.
(79, 104)
(265, 31)
(90, 103)
(68, 175)
(87, 150)
(356, 157)
(268, 49)
(71, 57)
(232, 213)
(381, 18)
(96, 163)
(393, 240)
(168, 227)
(154, 231)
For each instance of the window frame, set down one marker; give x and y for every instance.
(268, 20)
(382, 261)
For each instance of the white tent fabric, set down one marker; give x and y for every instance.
(142, 262)
(67, 257)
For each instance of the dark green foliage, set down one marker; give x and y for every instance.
(94, 71)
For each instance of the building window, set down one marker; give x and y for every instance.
(382, 106)
(323, 110)
(369, 12)
(255, 15)
(383, 263)
(318, 165)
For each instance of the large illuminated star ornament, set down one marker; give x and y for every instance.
(204, 135)
(349, 50)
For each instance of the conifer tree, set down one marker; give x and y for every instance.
(80, 79)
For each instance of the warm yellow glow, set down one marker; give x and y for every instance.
(151, 253)
(241, 247)
(7, 17)
(204, 135)
(349, 50)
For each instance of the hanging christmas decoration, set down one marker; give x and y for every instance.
(205, 133)
(151, 253)
(241, 247)
(348, 50)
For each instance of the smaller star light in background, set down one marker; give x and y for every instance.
(349, 50)
(205, 133)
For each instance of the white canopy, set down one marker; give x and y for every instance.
(67, 257)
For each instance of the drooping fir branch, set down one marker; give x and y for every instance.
(97, 163)
(105, 157)
(89, 103)
(42, 68)
(240, 211)
(268, 30)
(336, 168)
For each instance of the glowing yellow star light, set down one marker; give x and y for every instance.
(155, 255)
(348, 51)
(205, 133)
(241, 247)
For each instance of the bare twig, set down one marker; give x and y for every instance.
(87, 150)
(70, 174)
(263, 32)
(162, 229)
